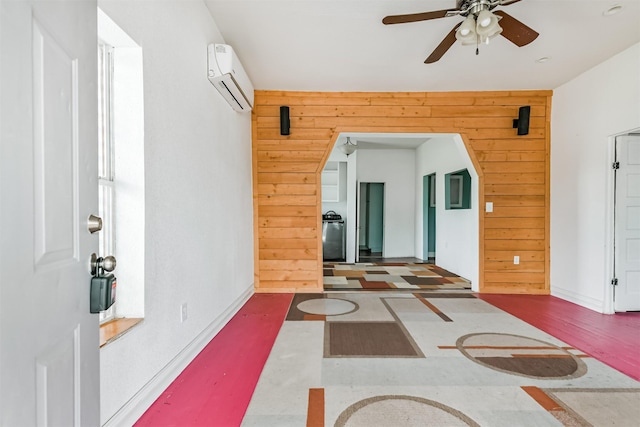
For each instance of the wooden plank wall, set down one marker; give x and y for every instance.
(513, 171)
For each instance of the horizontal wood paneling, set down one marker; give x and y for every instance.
(512, 223)
(533, 267)
(290, 265)
(516, 211)
(287, 210)
(286, 274)
(275, 254)
(287, 178)
(508, 256)
(514, 178)
(287, 189)
(279, 222)
(288, 232)
(513, 173)
(286, 201)
(283, 243)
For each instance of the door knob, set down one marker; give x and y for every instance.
(107, 263)
(94, 223)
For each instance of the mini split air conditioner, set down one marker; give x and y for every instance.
(227, 75)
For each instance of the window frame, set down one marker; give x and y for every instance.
(106, 160)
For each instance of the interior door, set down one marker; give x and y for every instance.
(627, 224)
(429, 217)
(49, 349)
(375, 218)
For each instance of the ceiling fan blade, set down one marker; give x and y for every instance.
(443, 47)
(415, 17)
(515, 31)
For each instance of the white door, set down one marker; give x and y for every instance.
(49, 349)
(627, 224)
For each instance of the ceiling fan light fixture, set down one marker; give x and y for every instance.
(492, 28)
(348, 148)
(485, 18)
(467, 30)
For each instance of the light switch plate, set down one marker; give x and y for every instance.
(516, 259)
(489, 207)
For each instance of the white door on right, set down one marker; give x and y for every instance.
(627, 224)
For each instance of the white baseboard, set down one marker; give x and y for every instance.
(581, 300)
(142, 400)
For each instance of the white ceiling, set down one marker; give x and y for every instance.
(329, 45)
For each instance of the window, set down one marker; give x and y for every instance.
(121, 165)
(457, 190)
(106, 164)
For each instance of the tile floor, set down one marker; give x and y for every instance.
(387, 274)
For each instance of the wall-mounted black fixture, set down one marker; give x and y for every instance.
(285, 123)
(522, 122)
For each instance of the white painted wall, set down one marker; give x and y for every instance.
(586, 113)
(456, 229)
(352, 161)
(199, 219)
(396, 168)
(340, 206)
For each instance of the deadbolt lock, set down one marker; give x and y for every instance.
(94, 223)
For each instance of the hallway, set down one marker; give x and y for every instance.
(391, 273)
(348, 358)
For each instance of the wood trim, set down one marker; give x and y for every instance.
(513, 173)
(114, 329)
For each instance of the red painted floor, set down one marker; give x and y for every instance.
(613, 339)
(216, 387)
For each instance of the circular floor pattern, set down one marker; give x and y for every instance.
(328, 306)
(405, 411)
(523, 356)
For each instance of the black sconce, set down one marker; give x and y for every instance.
(285, 123)
(522, 122)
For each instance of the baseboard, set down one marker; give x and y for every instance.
(581, 300)
(140, 402)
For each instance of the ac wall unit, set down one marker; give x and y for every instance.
(227, 75)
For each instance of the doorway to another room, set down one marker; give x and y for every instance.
(390, 191)
(371, 220)
(429, 217)
(626, 235)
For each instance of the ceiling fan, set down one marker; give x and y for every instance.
(480, 25)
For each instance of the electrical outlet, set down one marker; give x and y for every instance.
(183, 312)
(516, 259)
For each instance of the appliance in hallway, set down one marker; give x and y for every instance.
(333, 237)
